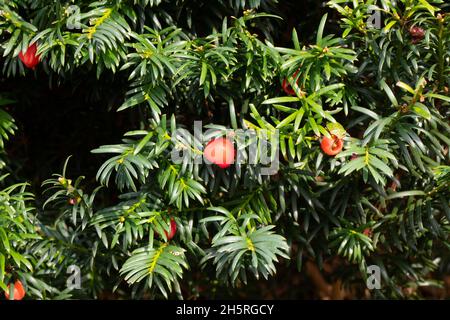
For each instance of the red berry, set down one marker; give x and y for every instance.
(74, 201)
(19, 291)
(417, 32)
(221, 152)
(172, 231)
(287, 87)
(367, 232)
(29, 58)
(332, 146)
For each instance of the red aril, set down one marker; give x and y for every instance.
(332, 146)
(19, 291)
(368, 232)
(221, 152)
(29, 57)
(417, 32)
(287, 87)
(172, 231)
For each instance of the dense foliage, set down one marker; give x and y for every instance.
(383, 200)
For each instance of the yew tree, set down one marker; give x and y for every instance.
(351, 98)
